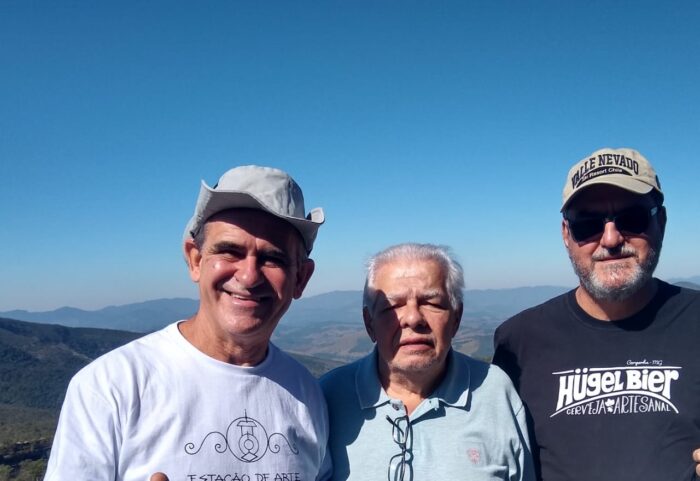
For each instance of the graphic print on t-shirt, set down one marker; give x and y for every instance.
(245, 438)
(637, 387)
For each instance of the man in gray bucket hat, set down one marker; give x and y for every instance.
(210, 397)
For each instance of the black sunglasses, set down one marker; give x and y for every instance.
(633, 220)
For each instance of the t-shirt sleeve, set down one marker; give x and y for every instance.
(326, 471)
(504, 355)
(525, 460)
(85, 444)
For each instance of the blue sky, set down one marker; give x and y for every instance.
(445, 122)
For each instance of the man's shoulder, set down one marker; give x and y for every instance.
(292, 366)
(489, 385)
(115, 365)
(341, 384)
(341, 376)
(471, 363)
(676, 306)
(539, 312)
(482, 372)
(679, 293)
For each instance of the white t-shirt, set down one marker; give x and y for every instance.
(159, 404)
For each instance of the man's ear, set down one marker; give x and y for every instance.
(663, 217)
(458, 318)
(304, 273)
(193, 257)
(367, 317)
(565, 233)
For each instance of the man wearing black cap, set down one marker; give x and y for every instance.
(210, 397)
(609, 371)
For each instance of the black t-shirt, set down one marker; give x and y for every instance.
(611, 401)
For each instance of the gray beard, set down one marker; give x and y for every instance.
(600, 291)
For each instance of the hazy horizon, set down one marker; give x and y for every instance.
(691, 279)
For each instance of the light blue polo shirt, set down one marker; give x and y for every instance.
(472, 427)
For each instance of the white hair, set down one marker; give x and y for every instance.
(454, 275)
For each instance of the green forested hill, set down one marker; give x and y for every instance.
(37, 360)
(36, 363)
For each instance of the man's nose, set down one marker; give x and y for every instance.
(412, 315)
(611, 237)
(248, 272)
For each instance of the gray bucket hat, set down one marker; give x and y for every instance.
(254, 187)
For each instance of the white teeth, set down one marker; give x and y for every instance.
(242, 298)
(237, 295)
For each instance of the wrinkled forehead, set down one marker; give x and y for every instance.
(405, 276)
(607, 199)
(258, 224)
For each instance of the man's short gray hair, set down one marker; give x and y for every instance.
(454, 274)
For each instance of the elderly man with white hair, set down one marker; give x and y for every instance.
(414, 409)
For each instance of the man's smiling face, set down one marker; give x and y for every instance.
(249, 268)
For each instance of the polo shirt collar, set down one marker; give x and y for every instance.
(452, 391)
(370, 392)
(454, 388)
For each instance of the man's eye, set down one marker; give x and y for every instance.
(271, 261)
(436, 305)
(230, 255)
(387, 307)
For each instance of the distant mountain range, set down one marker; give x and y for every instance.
(338, 307)
(690, 282)
(326, 326)
(138, 317)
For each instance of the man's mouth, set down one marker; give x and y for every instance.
(612, 258)
(614, 261)
(416, 343)
(611, 255)
(242, 298)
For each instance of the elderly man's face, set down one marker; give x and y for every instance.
(615, 263)
(248, 271)
(412, 320)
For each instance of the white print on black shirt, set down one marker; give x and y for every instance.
(616, 390)
(246, 439)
